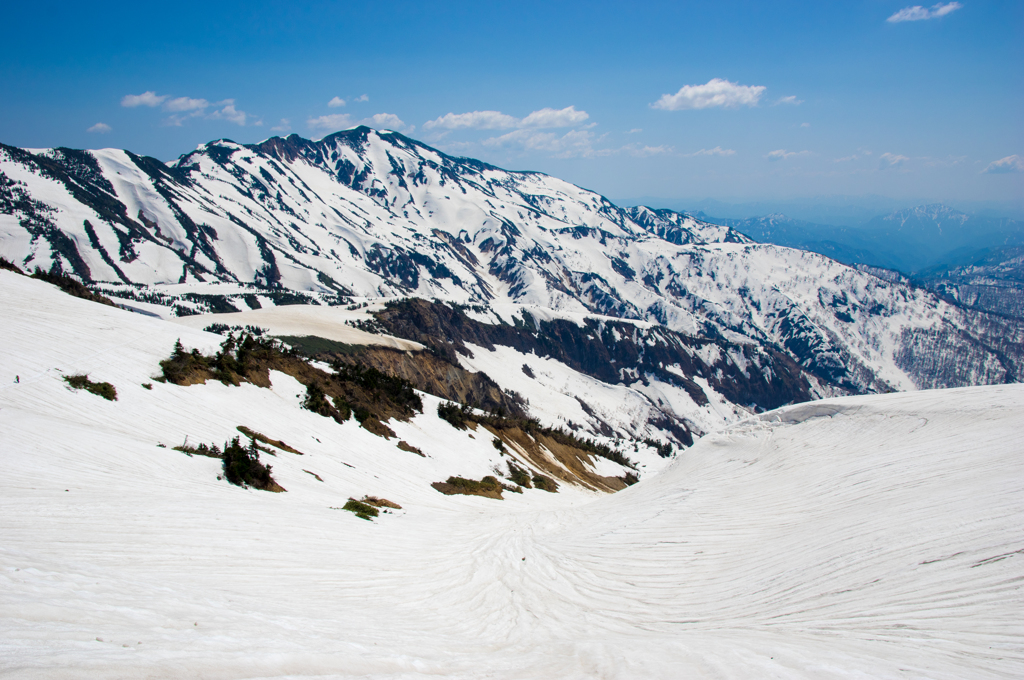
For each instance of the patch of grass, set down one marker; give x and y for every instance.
(253, 434)
(381, 502)
(489, 487)
(312, 345)
(82, 382)
(519, 476)
(460, 416)
(406, 446)
(545, 483)
(362, 510)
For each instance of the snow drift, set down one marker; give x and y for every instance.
(874, 536)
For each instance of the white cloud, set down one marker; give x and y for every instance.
(343, 121)
(919, 13)
(1012, 163)
(474, 120)
(634, 131)
(362, 98)
(891, 160)
(387, 121)
(336, 102)
(805, 125)
(554, 118)
(496, 120)
(229, 113)
(573, 144)
(716, 92)
(334, 121)
(639, 151)
(186, 104)
(283, 126)
(183, 108)
(148, 98)
(717, 151)
(528, 139)
(102, 128)
(791, 99)
(782, 154)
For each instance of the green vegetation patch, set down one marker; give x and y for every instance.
(406, 446)
(9, 266)
(545, 483)
(312, 345)
(381, 502)
(242, 467)
(82, 382)
(374, 397)
(253, 434)
(664, 449)
(69, 285)
(518, 475)
(488, 487)
(362, 510)
(212, 451)
(459, 416)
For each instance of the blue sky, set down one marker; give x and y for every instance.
(736, 101)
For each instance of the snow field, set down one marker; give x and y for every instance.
(865, 537)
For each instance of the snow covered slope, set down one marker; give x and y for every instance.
(375, 214)
(874, 536)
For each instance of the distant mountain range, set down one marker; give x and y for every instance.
(913, 240)
(972, 259)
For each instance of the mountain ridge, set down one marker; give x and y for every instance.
(364, 214)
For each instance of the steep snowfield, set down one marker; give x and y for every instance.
(301, 320)
(863, 537)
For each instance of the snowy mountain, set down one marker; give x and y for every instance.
(871, 536)
(993, 282)
(363, 214)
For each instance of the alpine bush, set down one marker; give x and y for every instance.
(82, 382)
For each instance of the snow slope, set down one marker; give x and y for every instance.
(859, 537)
